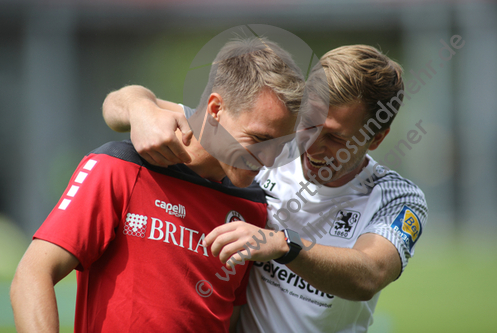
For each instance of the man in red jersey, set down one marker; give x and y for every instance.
(135, 232)
(357, 221)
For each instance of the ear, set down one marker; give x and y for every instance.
(378, 138)
(215, 106)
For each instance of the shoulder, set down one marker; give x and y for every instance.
(253, 192)
(398, 193)
(399, 211)
(125, 151)
(392, 185)
(122, 150)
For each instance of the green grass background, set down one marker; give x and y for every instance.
(448, 286)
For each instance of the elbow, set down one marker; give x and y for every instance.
(372, 282)
(365, 295)
(14, 290)
(358, 291)
(107, 105)
(365, 290)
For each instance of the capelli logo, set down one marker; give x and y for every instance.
(176, 210)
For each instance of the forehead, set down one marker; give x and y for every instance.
(345, 119)
(269, 116)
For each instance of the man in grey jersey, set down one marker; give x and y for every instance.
(357, 220)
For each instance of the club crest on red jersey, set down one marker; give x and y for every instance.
(233, 215)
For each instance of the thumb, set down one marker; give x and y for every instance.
(185, 129)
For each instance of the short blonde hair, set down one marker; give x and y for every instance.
(243, 67)
(363, 74)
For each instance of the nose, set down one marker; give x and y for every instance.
(307, 138)
(268, 156)
(267, 152)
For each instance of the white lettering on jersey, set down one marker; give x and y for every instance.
(284, 279)
(170, 233)
(176, 210)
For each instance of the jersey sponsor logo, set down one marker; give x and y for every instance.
(407, 223)
(233, 215)
(165, 231)
(175, 210)
(345, 223)
(280, 277)
(178, 235)
(135, 225)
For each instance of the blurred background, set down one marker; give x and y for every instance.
(59, 59)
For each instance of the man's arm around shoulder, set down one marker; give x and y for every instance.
(152, 123)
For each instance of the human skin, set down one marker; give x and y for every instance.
(44, 264)
(354, 274)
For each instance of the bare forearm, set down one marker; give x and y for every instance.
(34, 304)
(336, 271)
(354, 274)
(117, 105)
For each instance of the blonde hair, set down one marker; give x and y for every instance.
(362, 74)
(243, 67)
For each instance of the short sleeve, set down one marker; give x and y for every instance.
(188, 111)
(401, 217)
(84, 220)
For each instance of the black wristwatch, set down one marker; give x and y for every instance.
(294, 243)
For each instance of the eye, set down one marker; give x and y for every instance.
(259, 139)
(309, 130)
(312, 128)
(335, 138)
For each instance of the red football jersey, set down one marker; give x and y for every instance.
(137, 232)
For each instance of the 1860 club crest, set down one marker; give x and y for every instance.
(345, 223)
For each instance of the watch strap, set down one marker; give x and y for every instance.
(292, 238)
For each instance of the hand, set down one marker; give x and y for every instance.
(153, 135)
(239, 241)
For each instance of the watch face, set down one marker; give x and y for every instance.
(293, 238)
(294, 243)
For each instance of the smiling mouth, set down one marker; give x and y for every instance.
(252, 167)
(316, 163)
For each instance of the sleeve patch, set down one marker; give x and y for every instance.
(408, 225)
(80, 178)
